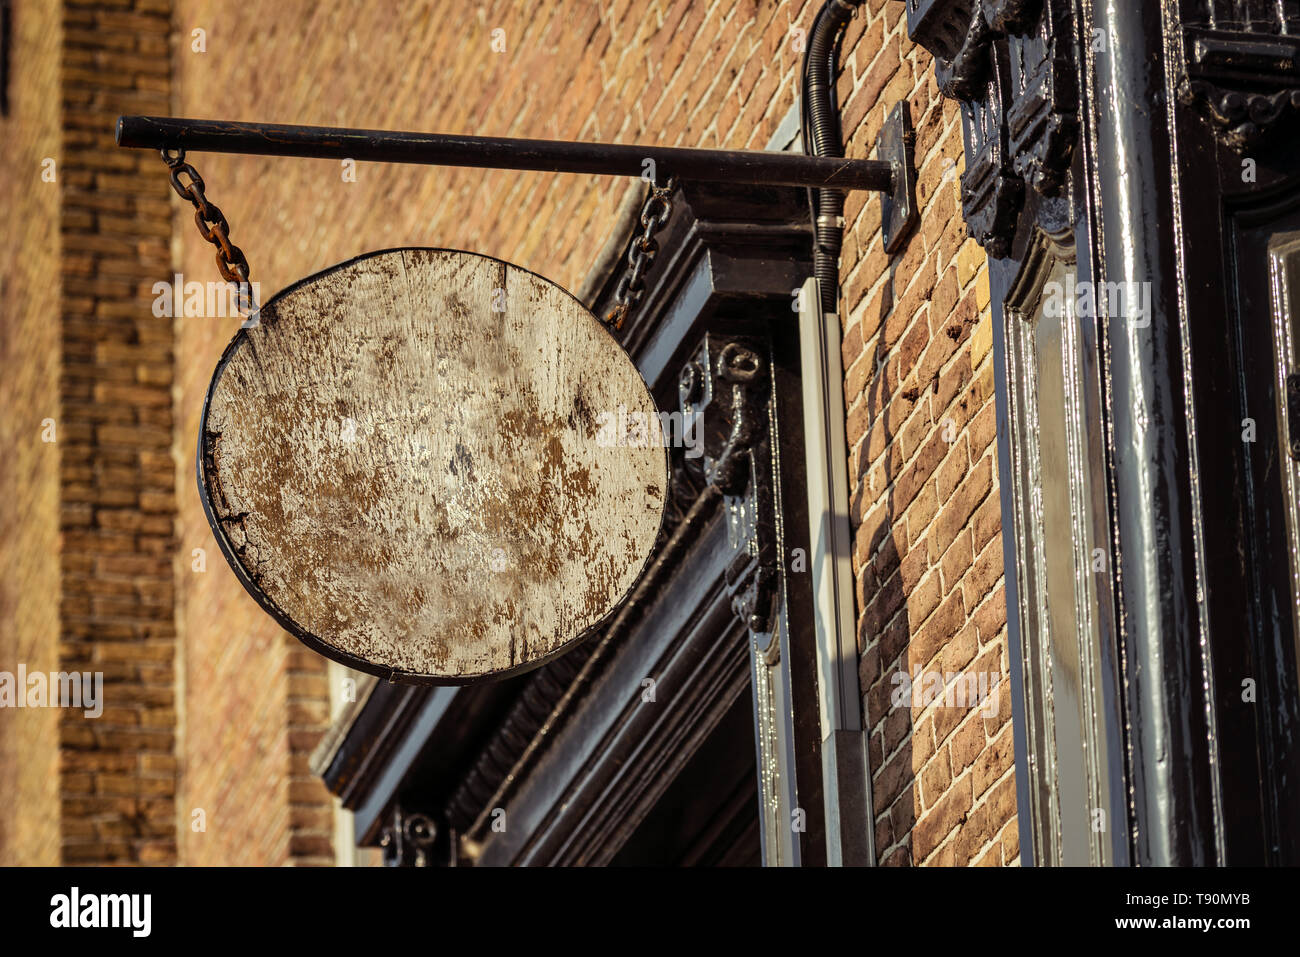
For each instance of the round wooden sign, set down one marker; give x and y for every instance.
(432, 465)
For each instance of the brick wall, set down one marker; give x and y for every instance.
(29, 467)
(118, 506)
(923, 467)
(311, 812)
(243, 704)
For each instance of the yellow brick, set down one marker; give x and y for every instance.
(982, 341)
(970, 260)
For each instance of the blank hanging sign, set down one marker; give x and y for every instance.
(432, 465)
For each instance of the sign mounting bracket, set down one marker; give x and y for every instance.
(891, 175)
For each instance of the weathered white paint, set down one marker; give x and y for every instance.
(404, 454)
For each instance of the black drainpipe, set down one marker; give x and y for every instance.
(820, 127)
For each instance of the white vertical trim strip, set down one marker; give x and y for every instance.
(847, 777)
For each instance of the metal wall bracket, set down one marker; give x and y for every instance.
(754, 167)
(896, 145)
(893, 174)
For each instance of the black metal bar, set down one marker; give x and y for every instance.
(752, 167)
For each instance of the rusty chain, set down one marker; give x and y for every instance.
(654, 216)
(233, 265)
(213, 227)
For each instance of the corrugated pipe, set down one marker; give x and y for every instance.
(821, 137)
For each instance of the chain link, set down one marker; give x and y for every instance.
(655, 211)
(213, 227)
